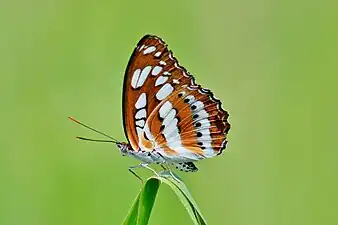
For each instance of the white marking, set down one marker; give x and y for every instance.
(174, 141)
(183, 93)
(176, 65)
(171, 128)
(135, 77)
(143, 77)
(171, 56)
(156, 70)
(141, 114)
(186, 75)
(169, 117)
(141, 101)
(148, 133)
(149, 50)
(141, 47)
(199, 105)
(204, 129)
(139, 132)
(191, 98)
(206, 139)
(166, 73)
(202, 114)
(158, 54)
(204, 123)
(160, 80)
(165, 90)
(163, 63)
(140, 123)
(165, 108)
(193, 84)
(175, 81)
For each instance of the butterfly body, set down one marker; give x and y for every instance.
(154, 157)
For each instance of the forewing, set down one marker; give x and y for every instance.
(143, 80)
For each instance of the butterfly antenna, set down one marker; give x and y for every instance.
(90, 128)
(96, 140)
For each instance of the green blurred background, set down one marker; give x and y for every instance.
(272, 63)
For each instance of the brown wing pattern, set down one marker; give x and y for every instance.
(140, 78)
(165, 111)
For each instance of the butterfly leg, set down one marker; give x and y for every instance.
(145, 165)
(134, 167)
(171, 172)
(168, 167)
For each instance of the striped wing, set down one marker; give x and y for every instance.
(165, 111)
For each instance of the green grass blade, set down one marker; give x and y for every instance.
(147, 199)
(140, 211)
(184, 196)
(131, 218)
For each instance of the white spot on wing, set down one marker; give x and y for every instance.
(139, 131)
(135, 77)
(141, 101)
(165, 108)
(160, 80)
(166, 73)
(165, 90)
(163, 63)
(142, 47)
(199, 105)
(156, 70)
(141, 114)
(143, 77)
(202, 114)
(204, 122)
(175, 81)
(169, 117)
(158, 54)
(191, 98)
(150, 49)
(148, 133)
(140, 123)
(171, 128)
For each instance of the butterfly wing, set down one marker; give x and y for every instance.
(189, 124)
(140, 87)
(165, 111)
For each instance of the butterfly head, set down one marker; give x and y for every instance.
(124, 147)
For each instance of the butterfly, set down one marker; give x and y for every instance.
(168, 119)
